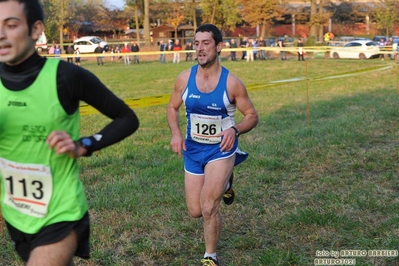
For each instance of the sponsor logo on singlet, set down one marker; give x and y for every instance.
(19, 104)
(194, 96)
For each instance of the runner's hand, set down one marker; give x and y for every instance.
(178, 145)
(63, 144)
(228, 139)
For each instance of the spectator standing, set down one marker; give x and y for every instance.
(381, 45)
(261, 44)
(126, 50)
(332, 36)
(300, 50)
(255, 48)
(286, 38)
(112, 52)
(176, 48)
(327, 37)
(395, 50)
(135, 49)
(304, 37)
(389, 44)
(243, 44)
(233, 45)
(250, 51)
(118, 51)
(99, 50)
(77, 59)
(162, 48)
(189, 55)
(70, 50)
(51, 50)
(57, 51)
(283, 53)
(170, 45)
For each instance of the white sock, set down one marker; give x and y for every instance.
(213, 255)
(228, 186)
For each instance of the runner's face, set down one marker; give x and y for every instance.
(206, 50)
(15, 43)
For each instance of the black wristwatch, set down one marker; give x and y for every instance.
(86, 143)
(237, 131)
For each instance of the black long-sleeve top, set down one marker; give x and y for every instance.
(75, 84)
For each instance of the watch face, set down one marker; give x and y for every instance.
(86, 142)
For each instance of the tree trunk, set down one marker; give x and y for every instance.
(136, 18)
(194, 16)
(147, 22)
(62, 26)
(213, 13)
(263, 30)
(313, 11)
(61, 37)
(321, 26)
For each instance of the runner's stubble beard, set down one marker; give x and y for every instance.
(210, 61)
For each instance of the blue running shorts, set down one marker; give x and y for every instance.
(197, 155)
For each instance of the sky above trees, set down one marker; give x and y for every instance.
(117, 3)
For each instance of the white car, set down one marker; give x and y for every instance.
(41, 43)
(358, 49)
(88, 44)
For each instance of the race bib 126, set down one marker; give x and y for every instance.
(204, 128)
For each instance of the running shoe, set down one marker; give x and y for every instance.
(208, 261)
(229, 195)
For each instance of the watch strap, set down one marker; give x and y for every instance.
(237, 131)
(87, 143)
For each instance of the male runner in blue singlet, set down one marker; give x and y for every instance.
(211, 95)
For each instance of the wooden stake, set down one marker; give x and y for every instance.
(397, 79)
(307, 95)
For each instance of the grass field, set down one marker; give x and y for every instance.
(321, 177)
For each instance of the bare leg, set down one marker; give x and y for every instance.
(193, 186)
(217, 175)
(203, 196)
(60, 253)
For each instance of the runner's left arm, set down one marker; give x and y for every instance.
(81, 85)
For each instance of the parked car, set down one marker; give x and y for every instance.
(341, 40)
(345, 38)
(88, 44)
(360, 49)
(362, 38)
(289, 42)
(395, 43)
(395, 39)
(41, 43)
(378, 38)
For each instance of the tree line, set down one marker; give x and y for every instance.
(63, 17)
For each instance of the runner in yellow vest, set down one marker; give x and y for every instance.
(327, 37)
